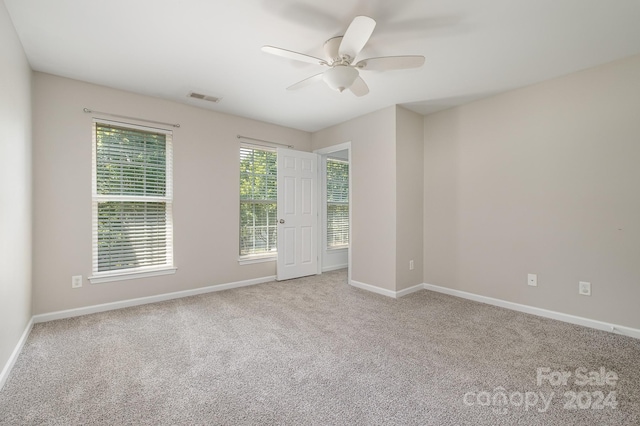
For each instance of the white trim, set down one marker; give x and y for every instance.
(373, 289)
(155, 270)
(322, 212)
(248, 260)
(572, 319)
(125, 198)
(140, 127)
(321, 231)
(559, 316)
(384, 291)
(145, 300)
(335, 267)
(263, 145)
(325, 202)
(120, 276)
(350, 251)
(333, 148)
(409, 290)
(15, 354)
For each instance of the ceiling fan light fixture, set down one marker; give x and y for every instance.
(343, 72)
(340, 77)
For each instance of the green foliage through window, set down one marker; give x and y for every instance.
(131, 234)
(132, 211)
(130, 162)
(337, 203)
(258, 201)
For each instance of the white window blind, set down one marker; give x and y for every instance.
(258, 201)
(337, 203)
(132, 198)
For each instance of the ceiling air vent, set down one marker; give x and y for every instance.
(203, 97)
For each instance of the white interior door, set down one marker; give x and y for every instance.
(297, 214)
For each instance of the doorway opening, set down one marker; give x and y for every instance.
(335, 194)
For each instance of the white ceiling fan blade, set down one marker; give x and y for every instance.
(356, 36)
(388, 63)
(359, 87)
(306, 82)
(290, 54)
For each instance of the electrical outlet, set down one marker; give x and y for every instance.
(76, 281)
(584, 288)
(532, 280)
(411, 265)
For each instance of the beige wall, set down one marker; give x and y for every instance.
(387, 195)
(540, 180)
(15, 189)
(373, 196)
(409, 197)
(206, 199)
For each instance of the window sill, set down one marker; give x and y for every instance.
(330, 249)
(131, 275)
(248, 260)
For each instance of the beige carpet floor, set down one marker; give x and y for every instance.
(316, 351)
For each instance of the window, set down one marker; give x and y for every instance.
(132, 201)
(258, 201)
(337, 203)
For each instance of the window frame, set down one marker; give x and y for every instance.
(266, 256)
(145, 271)
(328, 159)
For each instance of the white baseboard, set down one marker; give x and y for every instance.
(385, 292)
(374, 289)
(116, 305)
(409, 290)
(572, 319)
(586, 322)
(14, 355)
(144, 300)
(334, 267)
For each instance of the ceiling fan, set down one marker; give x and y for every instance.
(341, 52)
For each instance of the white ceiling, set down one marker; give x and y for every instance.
(473, 49)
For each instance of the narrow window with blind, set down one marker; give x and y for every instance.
(132, 201)
(258, 202)
(337, 203)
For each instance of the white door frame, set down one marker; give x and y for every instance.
(321, 180)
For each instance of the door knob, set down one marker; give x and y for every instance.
(281, 220)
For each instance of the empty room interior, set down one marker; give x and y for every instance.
(340, 212)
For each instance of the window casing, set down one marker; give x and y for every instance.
(337, 178)
(132, 201)
(258, 202)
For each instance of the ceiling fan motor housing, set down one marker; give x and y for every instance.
(332, 49)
